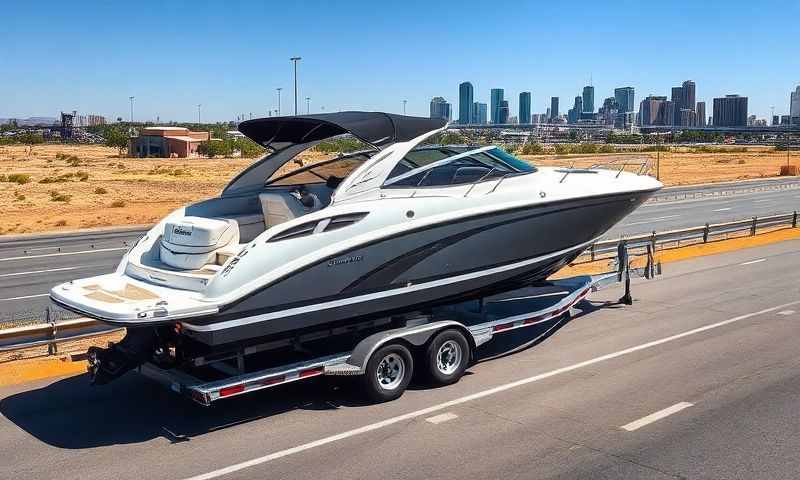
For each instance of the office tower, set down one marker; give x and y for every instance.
(701, 114)
(677, 101)
(495, 100)
(655, 110)
(688, 117)
(553, 108)
(440, 108)
(608, 112)
(730, 111)
(576, 111)
(624, 97)
(775, 120)
(525, 107)
(465, 102)
(549, 114)
(588, 99)
(503, 112)
(688, 95)
(751, 120)
(479, 113)
(794, 106)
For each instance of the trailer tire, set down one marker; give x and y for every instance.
(447, 357)
(388, 373)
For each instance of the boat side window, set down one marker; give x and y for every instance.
(457, 169)
(331, 172)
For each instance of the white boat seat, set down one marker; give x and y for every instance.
(190, 243)
(279, 207)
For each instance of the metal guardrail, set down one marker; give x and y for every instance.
(667, 196)
(53, 332)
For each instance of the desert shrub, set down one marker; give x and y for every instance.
(18, 197)
(100, 191)
(60, 223)
(19, 178)
(118, 204)
(61, 156)
(741, 161)
(82, 176)
(73, 161)
(606, 149)
(788, 170)
(56, 196)
(532, 149)
(3, 178)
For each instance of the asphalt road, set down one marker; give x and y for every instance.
(698, 379)
(30, 267)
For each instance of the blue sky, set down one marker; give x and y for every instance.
(230, 56)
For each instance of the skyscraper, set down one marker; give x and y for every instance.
(575, 112)
(553, 109)
(465, 101)
(525, 107)
(495, 99)
(730, 111)
(655, 110)
(701, 114)
(503, 112)
(440, 108)
(688, 95)
(624, 97)
(588, 99)
(794, 104)
(479, 113)
(677, 101)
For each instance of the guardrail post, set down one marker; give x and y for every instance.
(706, 232)
(52, 347)
(794, 219)
(653, 240)
(753, 227)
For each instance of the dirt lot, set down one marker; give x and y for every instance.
(117, 191)
(99, 189)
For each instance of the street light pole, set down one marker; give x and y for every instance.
(295, 60)
(308, 105)
(279, 100)
(198, 112)
(131, 98)
(404, 106)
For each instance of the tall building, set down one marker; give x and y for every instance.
(688, 117)
(701, 114)
(495, 100)
(730, 111)
(465, 101)
(574, 114)
(553, 108)
(624, 97)
(775, 120)
(503, 112)
(794, 105)
(588, 99)
(608, 112)
(440, 108)
(656, 110)
(688, 99)
(677, 101)
(479, 113)
(525, 107)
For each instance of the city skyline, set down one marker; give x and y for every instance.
(106, 64)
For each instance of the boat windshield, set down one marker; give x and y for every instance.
(442, 166)
(329, 171)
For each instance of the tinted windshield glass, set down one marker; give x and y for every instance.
(319, 172)
(453, 168)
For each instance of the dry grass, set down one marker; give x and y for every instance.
(82, 177)
(683, 167)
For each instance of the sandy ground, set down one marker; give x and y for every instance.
(137, 191)
(141, 191)
(683, 168)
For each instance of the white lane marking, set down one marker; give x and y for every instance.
(722, 209)
(441, 418)
(16, 274)
(652, 220)
(24, 297)
(762, 200)
(751, 262)
(654, 417)
(96, 250)
(475, 396)
(786, 312)
(40, 248)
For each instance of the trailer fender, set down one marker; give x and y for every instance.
(415, 336)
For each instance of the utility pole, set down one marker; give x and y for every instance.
(295, 60)
(308, 105)
(131, 99)
(279, 100)
(404, 106)
(198, 112)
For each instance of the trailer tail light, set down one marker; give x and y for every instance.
(312, 372)
(503, 326)
(532, 320)
(228, 391)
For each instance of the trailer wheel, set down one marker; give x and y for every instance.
(447, 357)
(388, 373)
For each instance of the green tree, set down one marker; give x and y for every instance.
(117, 138)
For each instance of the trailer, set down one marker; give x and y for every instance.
(438, 344)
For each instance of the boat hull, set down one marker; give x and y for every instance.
(464, 258)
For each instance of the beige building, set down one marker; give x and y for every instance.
(166, 142)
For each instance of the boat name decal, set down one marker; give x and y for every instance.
(342, 261)
(179, 230)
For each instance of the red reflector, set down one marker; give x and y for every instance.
(533, 320)
(312, 371)
(273, 380)
(231, 390)
(504, 326)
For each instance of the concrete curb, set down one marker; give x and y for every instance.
(99, 231)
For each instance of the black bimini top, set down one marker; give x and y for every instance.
(375, 128)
